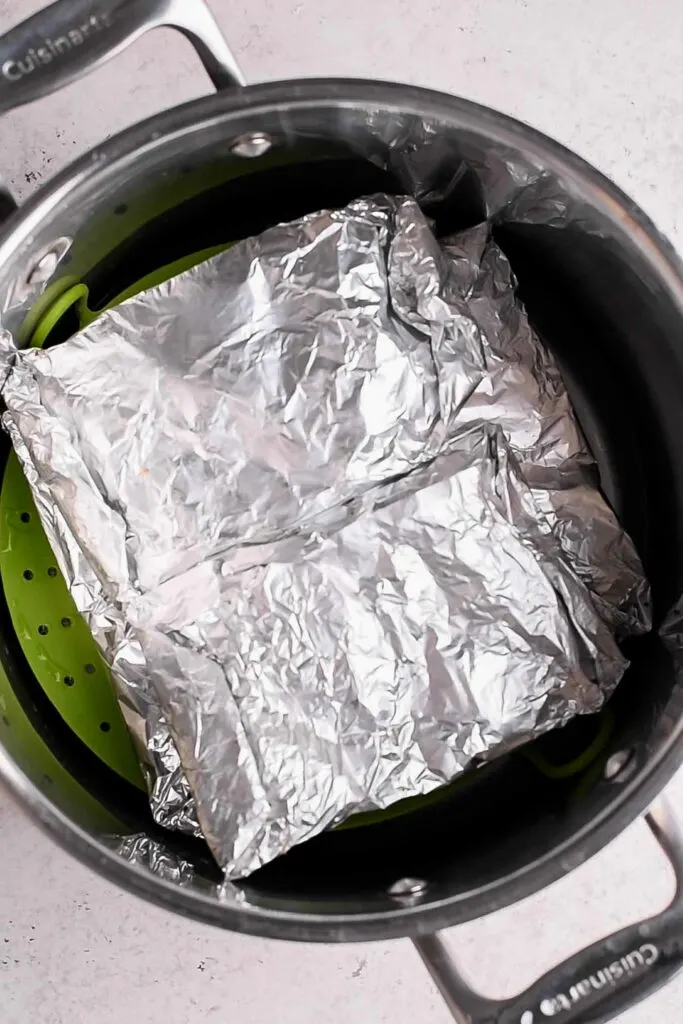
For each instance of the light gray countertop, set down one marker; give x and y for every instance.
(606, 79)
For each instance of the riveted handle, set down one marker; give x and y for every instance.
(70, 37)
(595, 984)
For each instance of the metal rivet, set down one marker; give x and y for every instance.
(44, 266)
(619, 765)
(251, 144)
(408, 890)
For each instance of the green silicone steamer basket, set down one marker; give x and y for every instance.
(65, 708)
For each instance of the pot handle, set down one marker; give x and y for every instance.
(69, 37)
(593, 985)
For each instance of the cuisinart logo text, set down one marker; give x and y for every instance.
(638, 960)
(47, 50)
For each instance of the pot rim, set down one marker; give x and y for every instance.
(633, 796)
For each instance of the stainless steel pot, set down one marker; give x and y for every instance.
(604, 289)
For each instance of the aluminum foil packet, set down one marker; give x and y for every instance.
(326, 508)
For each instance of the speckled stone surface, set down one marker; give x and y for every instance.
(604, 78)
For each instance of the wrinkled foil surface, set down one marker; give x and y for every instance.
(326, 508)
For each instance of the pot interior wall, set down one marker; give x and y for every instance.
(616, 336)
